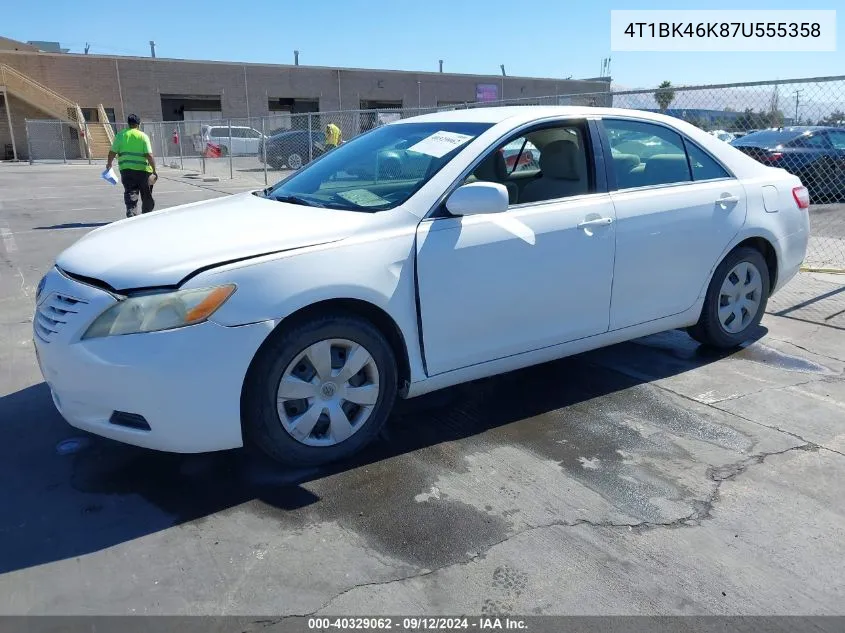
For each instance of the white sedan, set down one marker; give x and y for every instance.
(296, 315)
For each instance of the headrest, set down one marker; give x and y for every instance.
(492, 168)
(667, 168)
(559, 160)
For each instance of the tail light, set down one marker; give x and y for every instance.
(773, 157)
(802, 197)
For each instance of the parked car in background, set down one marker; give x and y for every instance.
(723, 135)
(236, 140)
(292, 149)
(295, 316)
(522, 152)
(816, 154)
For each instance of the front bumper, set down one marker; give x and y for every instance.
(186, 383)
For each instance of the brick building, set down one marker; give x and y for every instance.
(173, 90)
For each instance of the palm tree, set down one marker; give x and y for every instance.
(664, 95)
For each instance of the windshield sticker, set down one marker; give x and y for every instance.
(363, 198)
(440, 143)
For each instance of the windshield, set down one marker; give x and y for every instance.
(378, 170)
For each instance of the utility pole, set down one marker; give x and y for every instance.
(797, 95)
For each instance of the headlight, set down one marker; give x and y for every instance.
(160, 311)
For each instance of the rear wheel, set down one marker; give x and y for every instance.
(735, 301)
(295, 161)
(320, 391)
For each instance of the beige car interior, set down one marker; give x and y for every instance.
(562, 167)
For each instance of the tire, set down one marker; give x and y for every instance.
(294, 161)
(270, 423)
(723, 331)
(224, 151)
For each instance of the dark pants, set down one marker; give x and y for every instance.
(136, 183)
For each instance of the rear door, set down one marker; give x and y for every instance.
(677, 209)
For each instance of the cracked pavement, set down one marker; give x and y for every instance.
(652, 477)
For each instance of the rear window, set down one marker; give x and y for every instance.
(767, 138)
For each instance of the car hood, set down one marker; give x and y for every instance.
(162, 248)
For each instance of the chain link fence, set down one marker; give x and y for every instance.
(798, 125)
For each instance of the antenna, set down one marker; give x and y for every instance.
(152, 48)
(502, 66)
(87, 47)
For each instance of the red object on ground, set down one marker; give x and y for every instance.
(212, 150)
(175, 137)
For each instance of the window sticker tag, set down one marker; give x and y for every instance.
(440, 143)
(363, 198)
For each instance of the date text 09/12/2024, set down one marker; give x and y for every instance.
(416, 624)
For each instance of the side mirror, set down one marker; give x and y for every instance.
(477, 198)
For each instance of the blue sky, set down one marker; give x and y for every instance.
(540, 38)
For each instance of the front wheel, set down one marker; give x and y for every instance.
(735, 301)
(320, 391)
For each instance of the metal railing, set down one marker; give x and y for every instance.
(266, 149)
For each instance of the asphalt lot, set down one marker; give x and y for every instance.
(651, 477)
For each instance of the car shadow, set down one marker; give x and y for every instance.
(66, 493)
(72, 225)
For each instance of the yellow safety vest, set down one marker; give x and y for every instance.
(332, 135)
(131, 146)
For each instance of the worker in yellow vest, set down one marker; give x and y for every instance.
(333, 136)
(137, 166)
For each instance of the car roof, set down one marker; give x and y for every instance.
(518, 114)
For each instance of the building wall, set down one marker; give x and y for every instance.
(132, 84)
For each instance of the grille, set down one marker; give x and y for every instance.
(52, 315)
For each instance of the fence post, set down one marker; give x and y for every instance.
(161, 143)
(181, 138)
(264, 148)
(62, 135)
(203, 148)
(310, 140)
(231, 172)
(29, 144)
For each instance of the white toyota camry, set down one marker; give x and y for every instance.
(414, 257)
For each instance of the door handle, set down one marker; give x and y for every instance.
(596, 222)
(726, 198)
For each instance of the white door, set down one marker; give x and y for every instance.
(495, 285)
(677, 209)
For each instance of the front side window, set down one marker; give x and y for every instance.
(548, 162)
(644, 154)
(378, 170)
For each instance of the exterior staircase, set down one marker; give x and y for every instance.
(100, 134)
(48, 101)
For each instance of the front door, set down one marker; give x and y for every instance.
(536, 275)
(496, 285)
